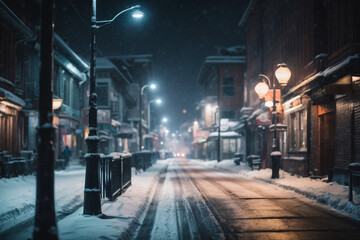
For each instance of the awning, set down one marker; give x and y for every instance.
(126, 131)
(9, 96)
(229, 134)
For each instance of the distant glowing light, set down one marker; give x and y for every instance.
(152, 86)
(269, 104)
(208, 107)
(138, 14)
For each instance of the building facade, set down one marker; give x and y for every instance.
(223, 79)
(14, 67)
(19, 90)
(319, 42)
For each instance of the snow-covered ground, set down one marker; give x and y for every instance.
(17, 203)
(17, 195)
(17, 200)
(331, 194)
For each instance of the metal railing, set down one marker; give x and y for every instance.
(144, 159)
(15, 166)
(115, 174)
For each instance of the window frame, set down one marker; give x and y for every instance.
(228, 86)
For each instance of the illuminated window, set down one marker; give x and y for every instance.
(302, 129)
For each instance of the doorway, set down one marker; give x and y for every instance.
(327, 142)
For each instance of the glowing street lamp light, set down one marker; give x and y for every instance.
(261, 89)
(283, 75)
(164, 120)
(138, 14)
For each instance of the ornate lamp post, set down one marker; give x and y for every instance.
(92, 203)
(283, 75)
(152, 86)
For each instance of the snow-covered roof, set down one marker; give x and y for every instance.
(225, 134)
(81, 63)
(105, 63)
(9, 96)
(327, 72)
(225, 59)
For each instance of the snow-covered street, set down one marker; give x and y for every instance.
(203, 203)
(184, 199)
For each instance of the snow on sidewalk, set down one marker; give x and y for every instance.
(17, 195)
(331, 194)
(119, 216)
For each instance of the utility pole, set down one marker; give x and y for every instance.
(45, 217)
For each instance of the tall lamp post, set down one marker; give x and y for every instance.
(283, 75)
(158, 101)
(92, 203)
(45, 218)
(152, 86)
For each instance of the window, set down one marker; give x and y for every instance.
(228, 86)
(102, 94)
(67, 89)
(232, 146)
(298, 131)
(303, 129)
(226, 145)
(229, 114)
(293, 132)
(76, 95)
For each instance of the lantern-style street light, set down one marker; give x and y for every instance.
(151, 86)
(283, 75)
(92, 201)
(158, 101)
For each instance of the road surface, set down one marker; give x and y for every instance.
(193, 202)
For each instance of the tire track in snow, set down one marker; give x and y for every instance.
(228, 231)
(183, 218)
(202, 223)
(148, 222)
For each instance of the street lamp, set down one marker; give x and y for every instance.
(151, 86)
(164, 120)
(283, 75)
(92, 203)
(158, 101)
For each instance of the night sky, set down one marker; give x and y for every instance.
(179, 35)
